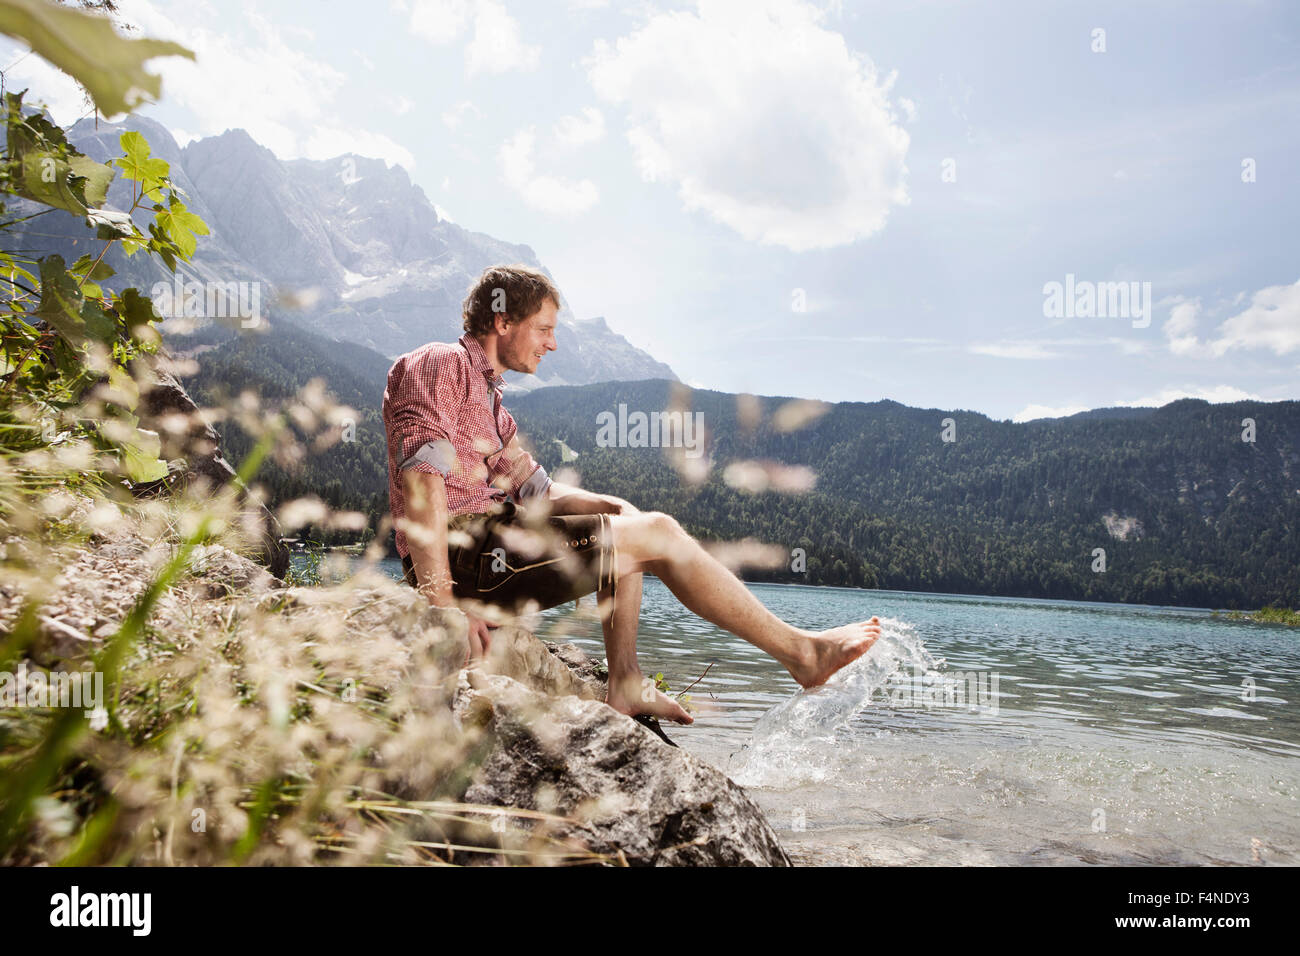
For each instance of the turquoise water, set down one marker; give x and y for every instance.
(1088, 733)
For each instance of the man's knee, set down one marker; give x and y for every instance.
(662, 522)
(650, 532)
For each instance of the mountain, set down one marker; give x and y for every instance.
(347, 248)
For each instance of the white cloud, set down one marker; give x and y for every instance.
(1215, 394)
(1272, 321)
(550, 194)
(248, 78)
(496, 44)
(1030, 412)
(1014, 350)
(1180, 328)
(326, 142)
(453, 117)
(438, 21)
(45, 83)
(763, 119)
(573, 131)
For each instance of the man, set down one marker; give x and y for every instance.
(520, 540)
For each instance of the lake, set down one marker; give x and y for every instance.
(994, 730)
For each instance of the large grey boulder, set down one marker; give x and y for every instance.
(625, 793)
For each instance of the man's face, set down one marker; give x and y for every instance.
(522, 346)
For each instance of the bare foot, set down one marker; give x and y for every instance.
(828, 651)
(635, 694)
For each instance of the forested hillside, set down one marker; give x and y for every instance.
(1185, 510)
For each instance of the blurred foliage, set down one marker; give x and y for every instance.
(232, 732)
(61, 333)
(110, 67)
(305, 567)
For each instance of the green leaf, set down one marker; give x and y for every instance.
(144, 465)
(14, 272)
(9, 363)
(162, 246)
(61, 301)
(85, 46)
(123, 389)
(99, 325)
(137, 310)
(88, 268)
(46, 178)
(137, 165)
(180, 225)
(93, 179)
(110, 224)
(139, 448)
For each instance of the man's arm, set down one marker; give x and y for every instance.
(528, 479)
(426, 534)
(569, 500)
(426, 541)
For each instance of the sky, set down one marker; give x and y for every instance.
(845, 200)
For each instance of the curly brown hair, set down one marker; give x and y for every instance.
(518, 291)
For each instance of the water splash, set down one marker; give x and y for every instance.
(796, 741)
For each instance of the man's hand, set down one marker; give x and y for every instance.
(479, 641)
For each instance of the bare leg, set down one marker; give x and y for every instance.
(629, 691)
(655, 542)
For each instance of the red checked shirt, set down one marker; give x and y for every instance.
(443, 414)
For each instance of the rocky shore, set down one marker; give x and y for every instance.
(532, 716)
(260, 722)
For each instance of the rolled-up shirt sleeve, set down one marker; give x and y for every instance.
(428, 402)
(527, 478)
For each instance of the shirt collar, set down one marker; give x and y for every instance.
(478, 359)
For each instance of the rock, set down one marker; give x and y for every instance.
(517, 654)
(165, 407)
(435, 640)
(88, 600)
(630, 795)
(592, 673)
(223, 573)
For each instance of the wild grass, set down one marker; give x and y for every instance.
(243, 725)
